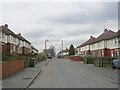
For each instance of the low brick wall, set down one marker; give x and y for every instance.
(76, 58)
(11, 67)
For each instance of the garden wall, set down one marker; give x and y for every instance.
(76, 58)
(10, 67)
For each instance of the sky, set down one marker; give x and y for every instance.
(72, 22)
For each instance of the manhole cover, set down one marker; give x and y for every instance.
(27, 78)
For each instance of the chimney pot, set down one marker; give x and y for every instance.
(105, 30)
(6, 25)
(20, 34)
(91, 36)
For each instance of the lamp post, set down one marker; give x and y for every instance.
(45, 44)
(45, 50)
(62, 44)
(62, 47)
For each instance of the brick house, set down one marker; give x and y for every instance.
(66, 51)
(9, 40)
(34, 50)
(106, 44)
(85, 47)
(24, 45)
(14, 43)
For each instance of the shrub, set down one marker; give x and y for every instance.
(104, 61)
(8, 56)
(40, 57)
(89, 59)
(107, 58)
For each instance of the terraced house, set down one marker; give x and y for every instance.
(34, 50)
(14, 43)
(106, 44)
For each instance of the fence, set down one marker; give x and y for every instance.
(103, 62)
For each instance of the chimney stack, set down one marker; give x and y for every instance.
(6, 26)
(91, 36)
(20, 34)
(105, 30)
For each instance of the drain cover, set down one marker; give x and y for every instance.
(27, 78)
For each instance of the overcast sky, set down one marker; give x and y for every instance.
(72, 22)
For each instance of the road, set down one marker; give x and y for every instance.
(61, 73)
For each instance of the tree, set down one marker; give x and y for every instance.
(52, 51)
(71, 50)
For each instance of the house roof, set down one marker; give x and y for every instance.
(106, 35)
(7, 31)
(66, 50)
(117, 33)
(91, 40)
(22, 38)
(34, 48)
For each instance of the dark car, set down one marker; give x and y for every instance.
(49, 57)
(116, 63)
(59, 56)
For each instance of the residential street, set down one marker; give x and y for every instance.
(61, 73)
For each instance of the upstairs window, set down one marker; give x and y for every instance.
(119, 39)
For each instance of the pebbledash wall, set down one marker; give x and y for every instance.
(9, 68)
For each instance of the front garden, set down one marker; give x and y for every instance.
(98, 61)
(13, 63)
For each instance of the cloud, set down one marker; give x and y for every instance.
(72, 22)
(91, 13)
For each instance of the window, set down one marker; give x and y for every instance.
(14, 48)
(115, 40)
(14, 39)
(18, 41)
(8, 38)
(116, 53)
(3, 35)
(118, 39)
(119, 53)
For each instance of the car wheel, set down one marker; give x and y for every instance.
(113, 66)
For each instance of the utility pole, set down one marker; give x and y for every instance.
(45, 44)
(45, 50)
(62, 44)
(62, 47)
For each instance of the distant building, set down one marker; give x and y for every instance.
(64, 52)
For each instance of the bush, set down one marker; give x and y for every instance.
(40, 57)
(104, 61)
(8, 56)
(89, 59)
(107, 58)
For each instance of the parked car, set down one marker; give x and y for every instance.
(49, 57)
(59, 56)
(116, 63)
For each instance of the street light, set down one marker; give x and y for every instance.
(45, 44)
(62, 44)
(45, 50)
(62, 47)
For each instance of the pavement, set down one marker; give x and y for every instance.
(24, 78)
